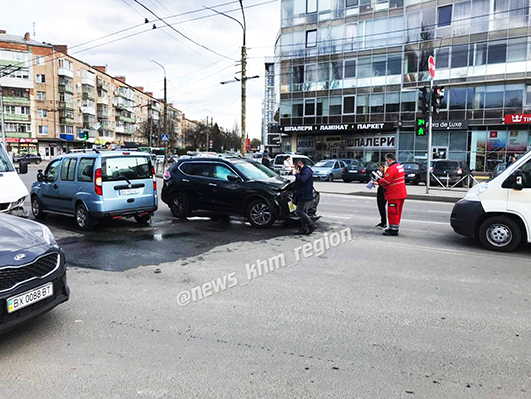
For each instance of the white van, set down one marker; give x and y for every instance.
(498, 212)
(13, 192)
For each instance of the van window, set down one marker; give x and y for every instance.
(5, 163)
(526, 174)
(68, 169)
(52, 171)
(85, 171)
(279, 159)
(126, 167)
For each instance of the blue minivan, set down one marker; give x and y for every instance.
(95, 184)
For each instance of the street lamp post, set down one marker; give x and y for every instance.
(165, 101)
(244, 74)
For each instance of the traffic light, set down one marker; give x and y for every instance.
(424, 101)
(421, 126)
(437, 95)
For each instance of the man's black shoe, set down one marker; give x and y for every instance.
(302, 231)
(389, 232)
(312, 229)
(381, 225)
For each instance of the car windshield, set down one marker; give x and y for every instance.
(324, 164)
(126, 167)
(254, 171)
(280, 159)
(5, 163)
(410, 166)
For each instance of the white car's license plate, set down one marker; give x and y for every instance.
(353, 171)
(29, 297)
(130, 191)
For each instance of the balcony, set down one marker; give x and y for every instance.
(125, 119)
(103, 100)
(16, 118)
(66, 105)
(88, 80)
(102, 85)
(69, 88)
(120, 128)
(130, 129)
(103, 113)
(64, 120)
(91, 110)
(8, 100)
(87, 95)
(65, 72)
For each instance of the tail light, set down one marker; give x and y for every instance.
(166, 175)
(344, 170)
(363, 171)
(154, 178)
(459, 171)
(98, 187)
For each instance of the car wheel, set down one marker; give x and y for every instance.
(346, 181)
(330, 177)
(36, 208)
(180, 205)
(260, 214)
(142, 219)
(83, 220)
(500, 233)
(416, 182)
(38, 162)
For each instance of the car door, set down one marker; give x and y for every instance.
(227, 194)
(198, 185)
(519, 201)
(49, 186)
(67, 186)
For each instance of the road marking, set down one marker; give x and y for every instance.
(432, 211)
(336, 217)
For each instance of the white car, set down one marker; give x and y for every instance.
(278, 163)
(13, 192)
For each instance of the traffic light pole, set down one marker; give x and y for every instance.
(430, 127)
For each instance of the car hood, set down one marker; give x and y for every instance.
(321, 169)
(17, 234)
(278, 182)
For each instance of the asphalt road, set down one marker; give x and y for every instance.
(427, 314)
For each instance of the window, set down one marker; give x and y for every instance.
(42, 113)
(43, 130)
(85, 169)
(350, 69)
(480, 56)
(348, 104)
(311, 38)
(514, 95)
(68, 169)
(311, 6)
(352, 3)
(379, 66)
(497, 52)
(335, 105)
(65, 64)
(459, 56)
(457, 98)
(377, 104)
(442, 58)
(445, 16)
(362, 105)
(41, 96)
(39, 60)
(392, 102)
(41, 78)
(309, 107)
(494, 96)
(394, 65)
(52, 171)
(517, 50)
(221, 172)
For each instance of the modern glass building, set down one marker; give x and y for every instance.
(350, 73)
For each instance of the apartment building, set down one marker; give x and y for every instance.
(270, 131)
(54, 102)
(351, 72)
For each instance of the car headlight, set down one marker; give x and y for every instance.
(474, 193)
(20, 202)
(47, 235)
(411, 175)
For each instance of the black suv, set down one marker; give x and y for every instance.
(449, 173)
(230, 186)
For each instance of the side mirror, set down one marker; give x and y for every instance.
(518, 181)
(233, 178)
(23, 168)
(40, 176)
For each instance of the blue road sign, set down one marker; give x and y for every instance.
(165, 138)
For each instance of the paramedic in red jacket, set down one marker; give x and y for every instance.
(394, 184)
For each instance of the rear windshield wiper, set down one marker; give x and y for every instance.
(128, 181)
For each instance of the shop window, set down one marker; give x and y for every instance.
(311, 38)
(350, 69)
(445, 16)
(497, 52)
(348, 104)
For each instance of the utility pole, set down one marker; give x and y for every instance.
(430, 127)
(2, 119)
(244, 93)
(165, 107)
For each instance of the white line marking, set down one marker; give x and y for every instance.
(336, 217)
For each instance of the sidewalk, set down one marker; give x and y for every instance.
(414, 192)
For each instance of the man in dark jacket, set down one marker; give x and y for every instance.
(265, 160)
(304, 196)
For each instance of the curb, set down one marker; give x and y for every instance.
(417, 197)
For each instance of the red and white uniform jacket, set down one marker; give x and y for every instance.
(394, 182)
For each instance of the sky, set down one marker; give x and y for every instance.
(194, 70)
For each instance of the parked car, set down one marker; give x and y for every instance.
(32, 271)
(94, 185)
(449, 173)
(349, 162)
(278, 163)
(13, 192)
(498, 212)
(328, 169)
(28, 158)
(228, 186)
(360, 172)
(415, 172)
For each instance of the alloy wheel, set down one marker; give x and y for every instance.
(261, 214)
